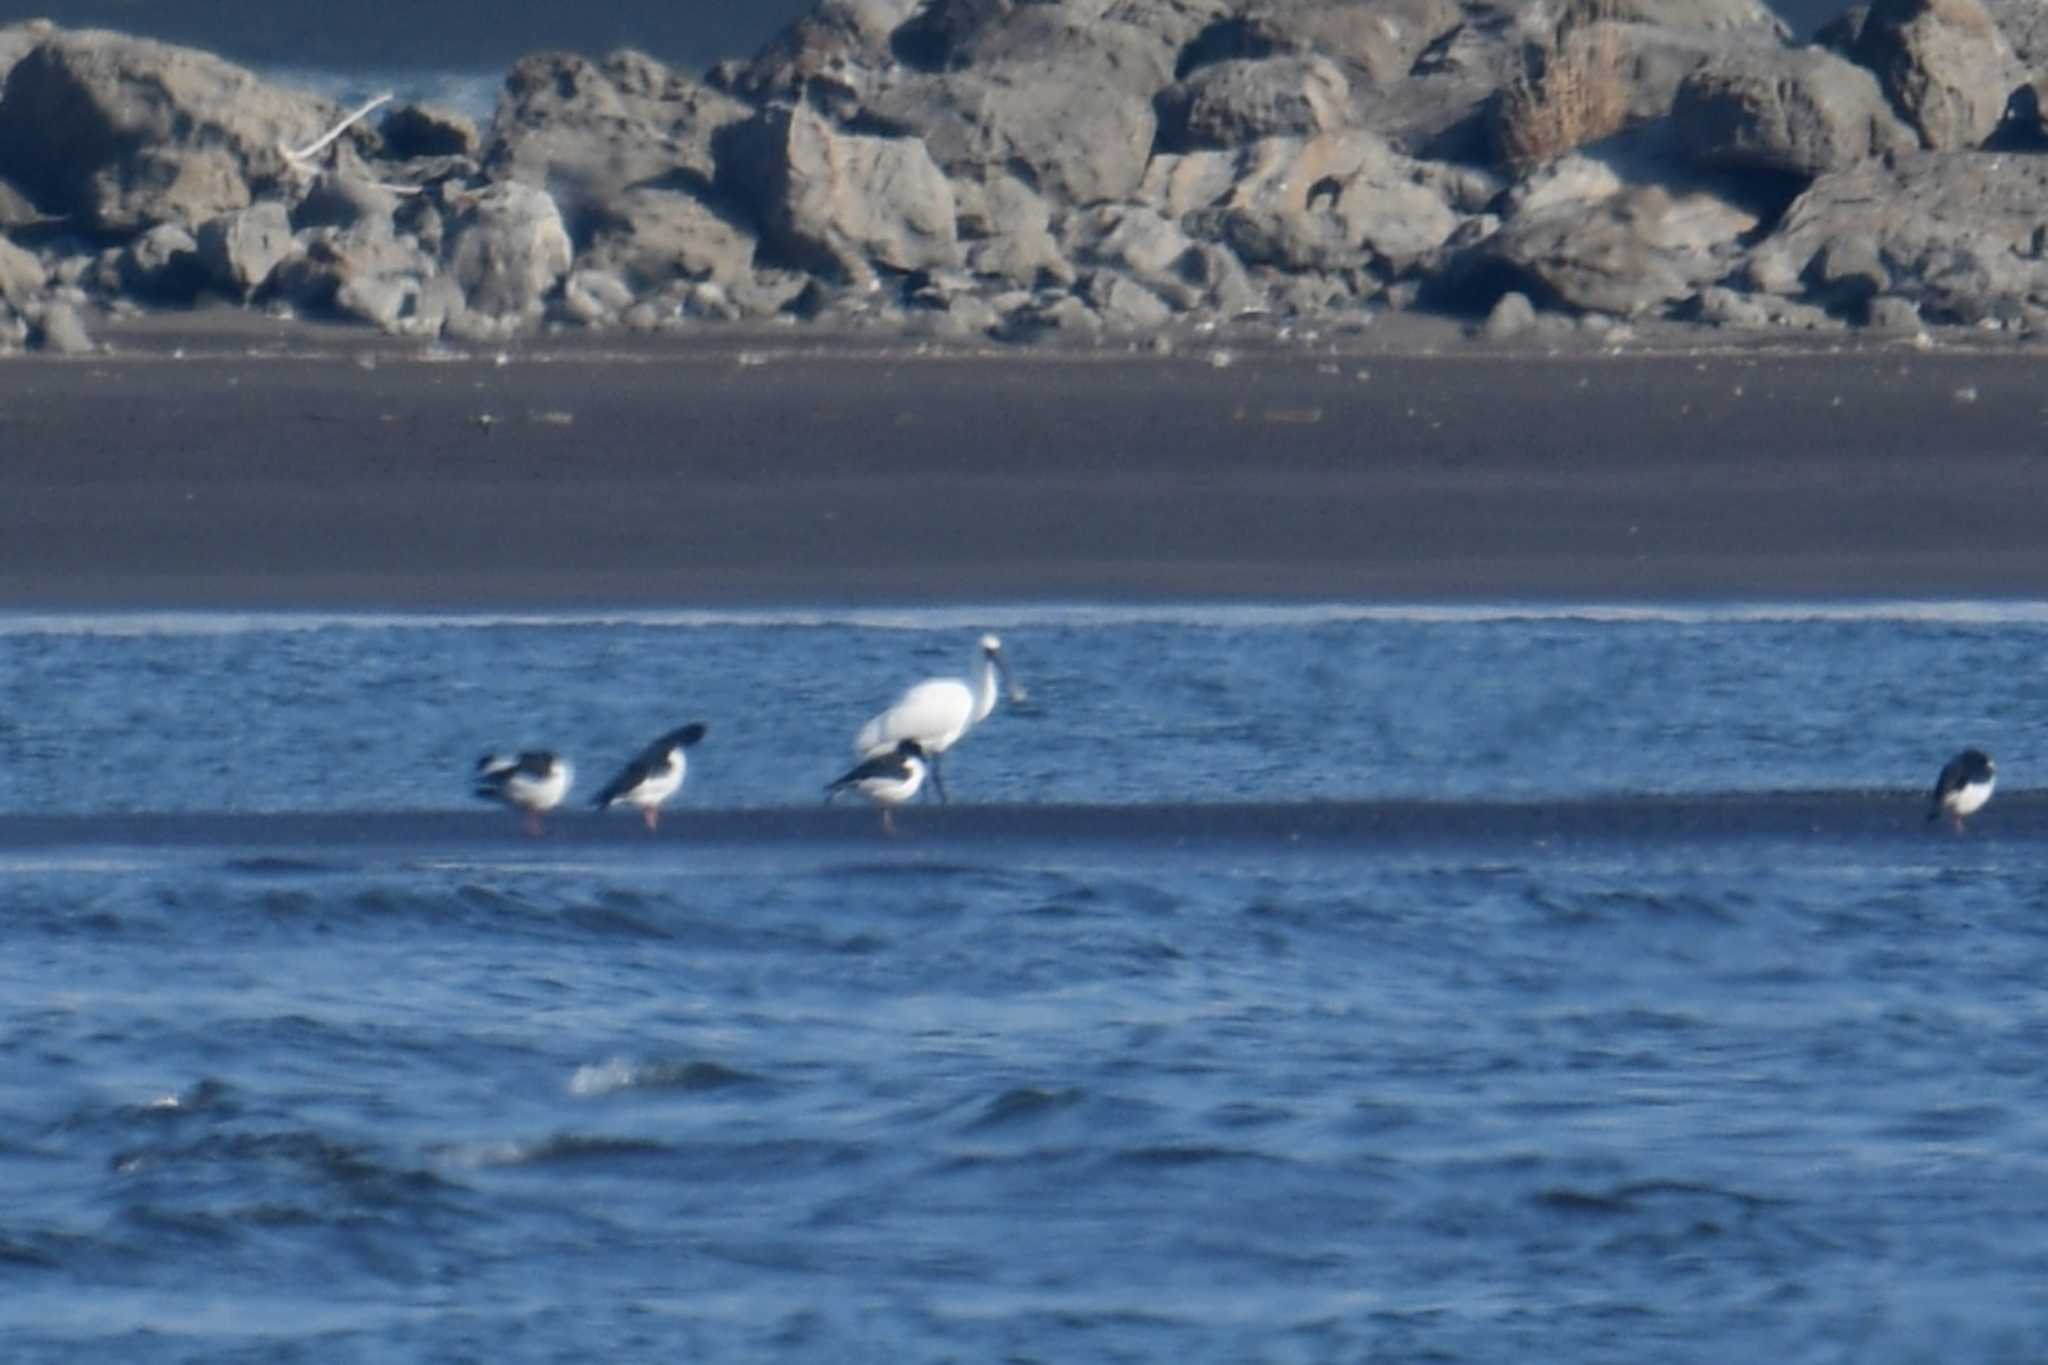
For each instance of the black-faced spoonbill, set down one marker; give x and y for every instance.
(887, 779)
(1964, 786)
(533, 782)
(654, 775)
(938, 711)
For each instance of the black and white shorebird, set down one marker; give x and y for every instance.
(939, 711)
(533, 782)
(1964, 786)
(887, 779)
(654, 775)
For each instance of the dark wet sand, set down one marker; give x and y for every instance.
(778, 469)
(1535, 826)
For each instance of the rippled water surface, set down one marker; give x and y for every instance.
(977, 1098)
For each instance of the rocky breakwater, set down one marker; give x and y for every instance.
(1075, 169)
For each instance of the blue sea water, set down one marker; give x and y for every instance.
(985, 1098)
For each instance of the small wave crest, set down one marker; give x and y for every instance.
(607, 1077)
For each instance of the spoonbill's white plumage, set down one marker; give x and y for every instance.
(654, 775)
(1965, 784)
(938, 711)
(533, 782)
(887, 779)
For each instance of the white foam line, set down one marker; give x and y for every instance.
(1083, 615)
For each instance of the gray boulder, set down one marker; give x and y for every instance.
(1512, 315)
(840, 203)
(1381, 40)
(1231, 103)
(585, 131)
(238, 250)
(124, 133)
(61, 331)
(2025, 25)
(162, 264)
(1957, 233)
(1129, 238)
(1944, 64)
(1803, 111)
(22, 276)
(650, 236)
(1124, 305)
(834, 48)
(506, 250)
(1341, 201)
(1068, 108)
(1006, 232)
(1603, 258)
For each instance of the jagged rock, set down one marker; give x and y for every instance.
(162, 264)
(1576, 178)
(1179, 185)
(1382, 39)
(61, 331)
(1600, 258)
(1725, 307)
(835, 47)
(411, 131)
(1897, 316)
(402, 304)
(238, 250)
(343, 198)
(22, 276)
(2025, 26)
(366, 271)
(1512, 316)
(1958, 233)
(1770, 269)
(1337, 202)
(1849, 269)
(1066, 107)
(1229, 104)
(1804, 111)
(125, 133)
(506, 250)
(1124, 305)
(584, 132)
(595, 297)
(1944, 64)
(1127, 237)
(650, 236)
(841, 203)
(1222, 280)
(18, 40)
(1006, 232)
(1063, 316)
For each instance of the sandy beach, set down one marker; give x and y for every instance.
(276, 465)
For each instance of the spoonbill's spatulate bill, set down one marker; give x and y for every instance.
(653, 777)
(1964, 786)
(939, 711)
(533, 782)
(887, 779)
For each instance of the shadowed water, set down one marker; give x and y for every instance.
(285, 1083)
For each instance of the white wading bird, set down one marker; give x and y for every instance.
(888, 779)
(1964, 786)
(938, 711)
(653, 776)
(533, 782)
